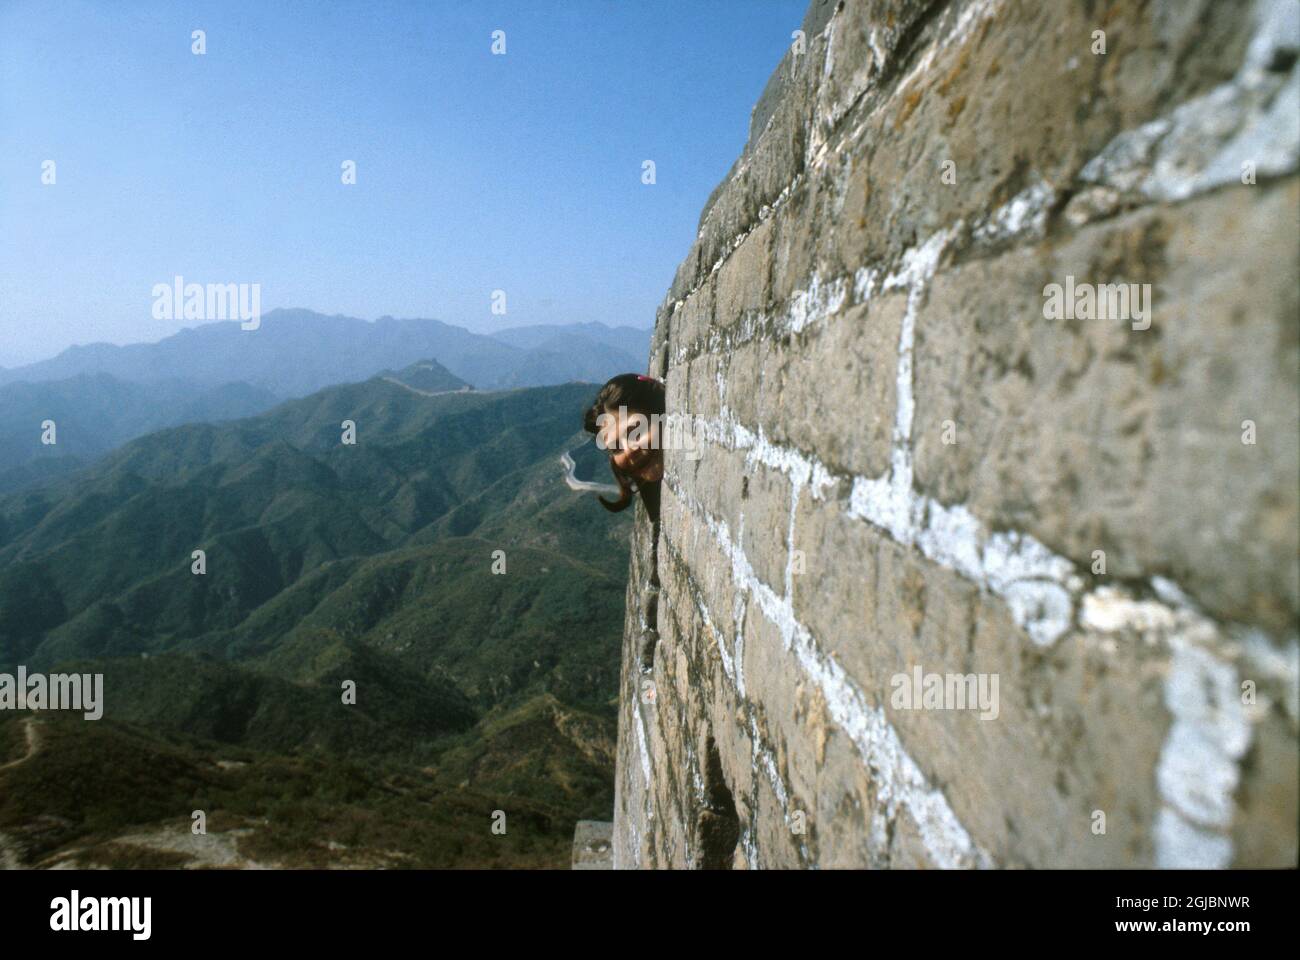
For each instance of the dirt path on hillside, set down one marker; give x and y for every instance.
(9, 859)
(32, 732)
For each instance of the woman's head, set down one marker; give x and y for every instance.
(625, 418)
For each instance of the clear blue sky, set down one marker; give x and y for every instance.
(474, 172)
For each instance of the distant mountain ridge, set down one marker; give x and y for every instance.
(100, 396)
(93, 413)
(296, 352)
(99, 563)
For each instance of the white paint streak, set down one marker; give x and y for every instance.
(641, 741)
(729, 666)
(738, 617)
(972, 14)
(1203, 143)
(1198, 771)
(1025, 213)
(821, 300)
(816, 303)
(897, 778)
(1262, 658)
(764, 759)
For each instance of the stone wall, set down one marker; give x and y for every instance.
(908, 467)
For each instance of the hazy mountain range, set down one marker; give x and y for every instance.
(100, 396)
(478, 689)
(94, 413)
(296, 352)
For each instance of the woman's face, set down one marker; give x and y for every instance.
(633, 442)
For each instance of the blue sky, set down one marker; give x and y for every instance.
(475, 172)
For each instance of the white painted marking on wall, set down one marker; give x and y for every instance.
(864, 283)
(764, 758)
(720, 639)
(751, 849)
(1261, 657)
(1181, 845)
(641, 740)
(762, 755)
(822, 299)
(765, 213)
(1042, 590)
(1198, 771)
(815, 304)
(1025, 213)
(1202, 143)
(898, 780)
(738, 617)
(972, 14)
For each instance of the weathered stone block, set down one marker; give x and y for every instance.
(593, 845)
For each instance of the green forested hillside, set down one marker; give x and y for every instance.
(329, 562)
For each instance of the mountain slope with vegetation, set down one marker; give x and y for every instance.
(438, 567)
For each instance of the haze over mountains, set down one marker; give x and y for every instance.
(296, 352)
(94, 413)
(100, 396)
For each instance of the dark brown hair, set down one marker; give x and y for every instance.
(639, 394)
